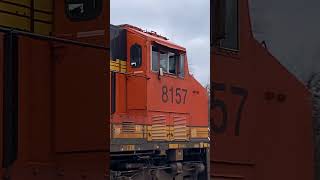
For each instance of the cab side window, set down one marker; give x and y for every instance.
(231, 40)
(173, 63)
(164, 61)
(170, 62)
(81, 10)
(181, 66)
(155, 58)
(135, 56)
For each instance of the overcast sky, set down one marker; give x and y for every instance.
(290, 29)
(184, 22)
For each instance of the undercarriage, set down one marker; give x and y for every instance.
(172, 164)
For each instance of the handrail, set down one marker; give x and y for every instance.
(51, 38)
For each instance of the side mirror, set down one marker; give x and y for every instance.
(160, 73)
(218, 21)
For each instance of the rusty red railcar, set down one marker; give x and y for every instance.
(53, 89)
(263, 104)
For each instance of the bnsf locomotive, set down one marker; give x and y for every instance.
(159, 112)
(54, 97)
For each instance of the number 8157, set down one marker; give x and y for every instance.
(174, 95)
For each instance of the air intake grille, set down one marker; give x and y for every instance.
(158, 129)
(128, 127)
(180, 128)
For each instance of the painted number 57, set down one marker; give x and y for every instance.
(219, 104)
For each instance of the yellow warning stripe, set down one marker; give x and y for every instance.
(17, 14)
(118, 65)
(131, 147)
(195, 145)
(133, 131)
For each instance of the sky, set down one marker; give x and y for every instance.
(290, 29)
(184, 22)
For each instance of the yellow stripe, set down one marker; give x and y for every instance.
(136, 133)
(43, 16)
(42, 28)
(192, 132)
(129, 130)
(20, 17)
(199, 132)
(142, 131)
(45, 5)
(15, 9)
(14, 21)
(173, 146)
(118, 65)
(21, 2)
(128, 136)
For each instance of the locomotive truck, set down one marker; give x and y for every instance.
(265, 82)
(159, 111)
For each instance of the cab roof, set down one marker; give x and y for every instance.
(154, 37)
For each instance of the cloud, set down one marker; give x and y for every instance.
(184, 22)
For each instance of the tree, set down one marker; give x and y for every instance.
(313, 85)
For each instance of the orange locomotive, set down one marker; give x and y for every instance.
(54, 97)
(159, 112)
